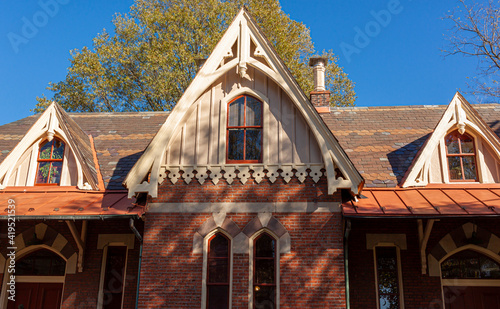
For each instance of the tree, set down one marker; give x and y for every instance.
(476, 33)
(151, 59)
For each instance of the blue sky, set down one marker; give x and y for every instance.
(391, 49)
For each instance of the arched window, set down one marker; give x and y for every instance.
(461, 155)
(264, 272)
(218, 272)
(469, 264)
(41, 263)
(50, 162)
(244, 130)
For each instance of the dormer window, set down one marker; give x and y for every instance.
(50, 162)
(244, 130)
(461, 155)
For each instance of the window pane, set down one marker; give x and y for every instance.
(469, 167)
(455, 168)
(254, 112)
(467, 144)
(218, 271)
(489, 269)
(265, 246)
(387, 282)
(470, 264)
(452, 143)
(253, 144)
(43, 172)
(265, 297)
(113, 277)
(264, 271)
(58, 151)
(235, 145)
(55, 172)
(218, 297)
(219, 246)
(42, 262)
(389, 302)
(236, 110)
(45, 150)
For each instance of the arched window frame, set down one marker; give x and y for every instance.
(244, 128)
(251, 303)
(206, 248)
(38, 160)
(484, 251)
(461, 155)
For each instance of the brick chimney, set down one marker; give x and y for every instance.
(320, 97)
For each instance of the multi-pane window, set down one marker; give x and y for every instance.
(264, 268)
(218, 272)
(50, 162)
(41, 263)
(470, 264)
(460, 152)
(387, 268)
(244, 130)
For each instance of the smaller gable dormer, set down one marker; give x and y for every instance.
(54, 152)
(461, 149)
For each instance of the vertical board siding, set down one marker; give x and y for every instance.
(201, 141)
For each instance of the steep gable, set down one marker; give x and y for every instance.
(79, 164)
(192, 143)
(432, 165)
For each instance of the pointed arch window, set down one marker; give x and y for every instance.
(50, 162)
(461, 155)
(264, 276)
(244, 130)
(218, 272)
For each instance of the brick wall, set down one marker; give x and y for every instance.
(311, 275)
(81, 289)
(420, 291)
(262, 192)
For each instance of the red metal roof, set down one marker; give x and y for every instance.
(67, 202)
(433, 200)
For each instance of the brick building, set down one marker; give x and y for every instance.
(251, 195)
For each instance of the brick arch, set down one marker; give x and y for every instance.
(267, 221)
(466, 235)
(216, 221)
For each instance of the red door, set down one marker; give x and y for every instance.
(37, 296)
(467, 297)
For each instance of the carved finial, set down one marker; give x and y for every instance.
(50, 135)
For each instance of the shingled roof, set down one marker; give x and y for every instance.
(381, 141)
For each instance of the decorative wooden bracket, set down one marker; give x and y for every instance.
(423, 239)
(80, 239)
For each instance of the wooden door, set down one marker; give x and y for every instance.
(37, 296)
(467, 297)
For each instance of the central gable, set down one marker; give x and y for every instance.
(287, 138)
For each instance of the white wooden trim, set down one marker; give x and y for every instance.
(470, 282)
(459, 114)
(40, 279)
(332, 152)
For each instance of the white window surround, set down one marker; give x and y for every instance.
(205, 267)
(251, 266)
(400, 273)
(104, 242)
